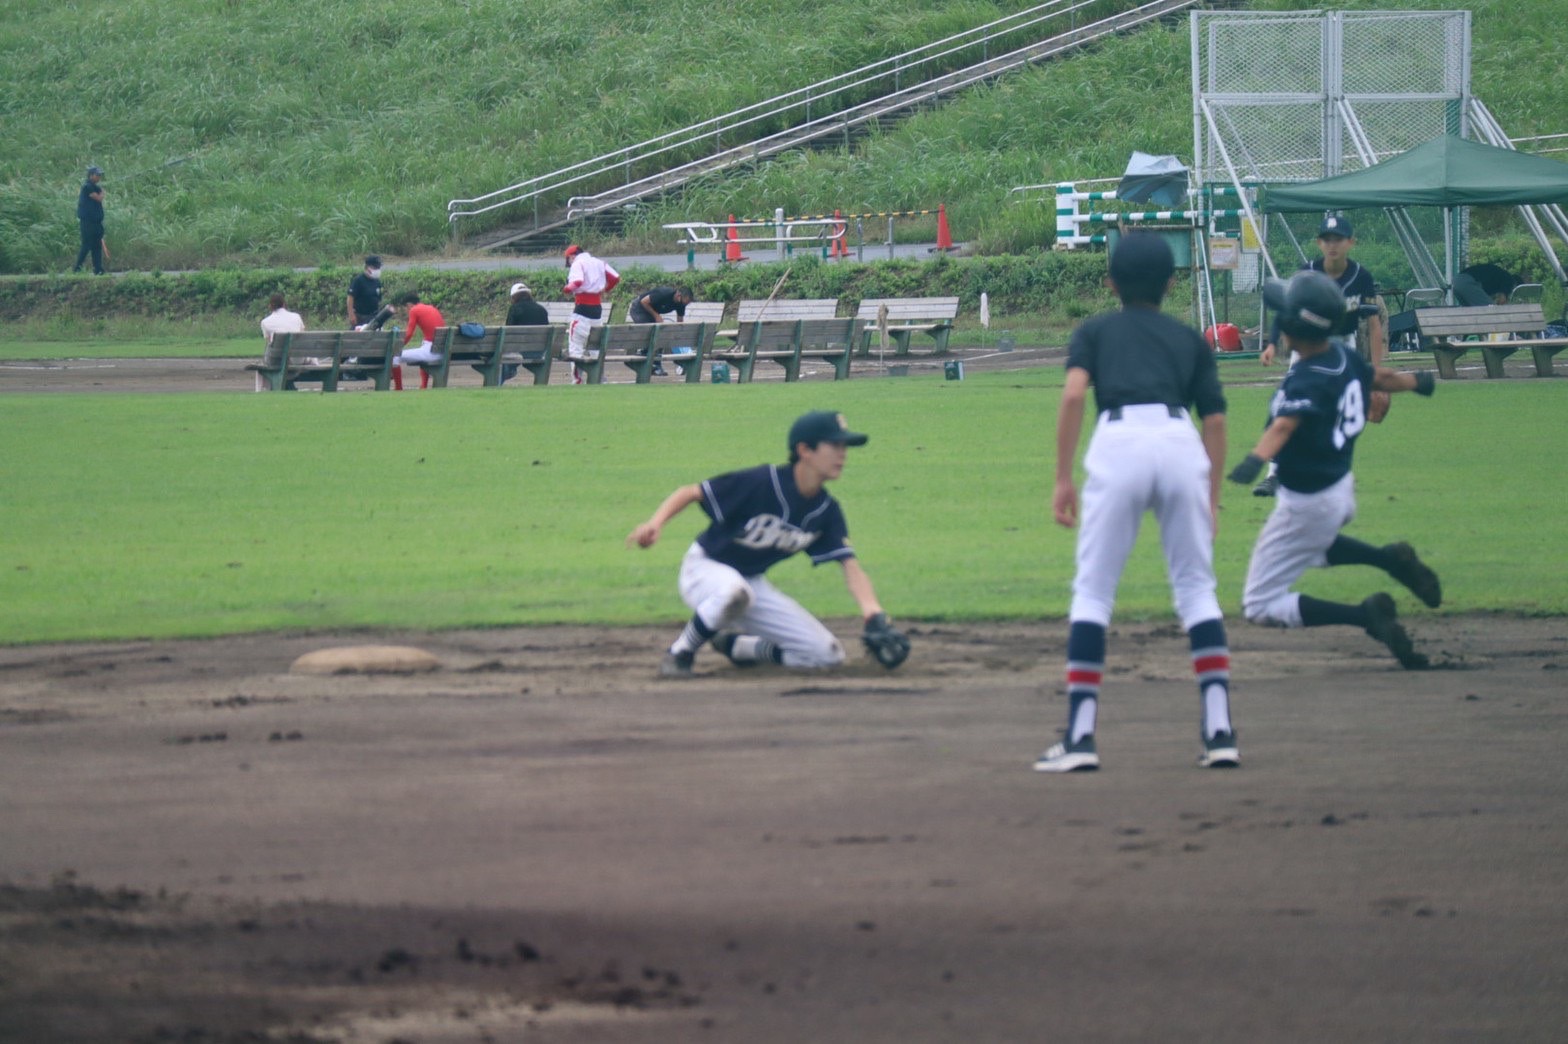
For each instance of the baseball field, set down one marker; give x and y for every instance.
(539, 841)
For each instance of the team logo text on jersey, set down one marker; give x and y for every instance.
(765, 531)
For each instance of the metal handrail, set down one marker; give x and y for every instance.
(835, 87)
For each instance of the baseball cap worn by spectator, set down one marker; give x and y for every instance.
(823, 426)
(373, 261)
(1334, 225)
(95, 170)
(1142, 257)
(520, 288)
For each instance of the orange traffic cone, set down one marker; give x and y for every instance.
(944, 238)
(840, 248)
(732, 252)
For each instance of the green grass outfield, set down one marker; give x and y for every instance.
(203, 514)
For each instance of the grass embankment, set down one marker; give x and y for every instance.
(203, 514)
(309, 133)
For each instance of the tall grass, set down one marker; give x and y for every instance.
(310, 132)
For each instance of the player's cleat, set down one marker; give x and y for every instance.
(1383, 625)
(1070, 757)
(658, 370)
(1268, 487)
(676, 665)
(1414, 574)
(1219, 751)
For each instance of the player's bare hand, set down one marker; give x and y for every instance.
(1064, 504)
(1266, 356)
(645, 535)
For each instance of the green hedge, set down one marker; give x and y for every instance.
(1070, 284)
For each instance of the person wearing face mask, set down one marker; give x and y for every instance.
(364, 295)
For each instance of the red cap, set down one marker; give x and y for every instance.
(572, 251)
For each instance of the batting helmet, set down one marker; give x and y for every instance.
(1310, 306)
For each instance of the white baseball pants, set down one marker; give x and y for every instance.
(728, 601)
(1147, 460)
(1295, 538)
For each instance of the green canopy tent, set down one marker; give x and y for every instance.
(1445, 172)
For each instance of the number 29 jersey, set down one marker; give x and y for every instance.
(1328, 393)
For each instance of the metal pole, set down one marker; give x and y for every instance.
(890, 239)
(778, 231)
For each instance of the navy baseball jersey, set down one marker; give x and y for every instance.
(1355, 282)
(1140, 355)
(1329, 393)
(760, 518)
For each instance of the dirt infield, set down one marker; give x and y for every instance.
(541, 842)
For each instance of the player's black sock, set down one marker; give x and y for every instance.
(1349, 551)
(1211, 663)
(1085, 668)
(693, 635)
(1317, 613)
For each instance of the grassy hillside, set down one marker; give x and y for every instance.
(304, 133)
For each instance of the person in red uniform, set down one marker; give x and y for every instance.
(424, 319)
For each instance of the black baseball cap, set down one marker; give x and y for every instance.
(823, 426)
(373, 261)
(1141, 256)
(1334, 225)
(95, 170)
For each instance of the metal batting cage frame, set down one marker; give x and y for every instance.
(1304, 95)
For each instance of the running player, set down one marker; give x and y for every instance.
(1315, 417)
(1146, 368)
(761, 516)
(1336, 239)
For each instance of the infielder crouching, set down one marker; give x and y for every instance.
(761, 516)
(1314, 420)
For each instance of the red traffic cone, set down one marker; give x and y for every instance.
(732, 252)
(944, 238)
(840, 248)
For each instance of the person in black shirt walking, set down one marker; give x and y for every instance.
(89, 214)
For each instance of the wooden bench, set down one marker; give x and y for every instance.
(907, 316)
(639, 346)
(749, 311)
(327, 357)
(788, 342)
(529, 347)
(1442, 331)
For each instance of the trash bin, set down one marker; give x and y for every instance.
(953, 369)
(720, 374)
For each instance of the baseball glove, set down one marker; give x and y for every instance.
(886, 643)
(1378, 408)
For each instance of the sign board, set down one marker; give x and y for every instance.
(1224, 254)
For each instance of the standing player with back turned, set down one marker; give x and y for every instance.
(1314, 419)
(1146, 368)
(761, 516)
